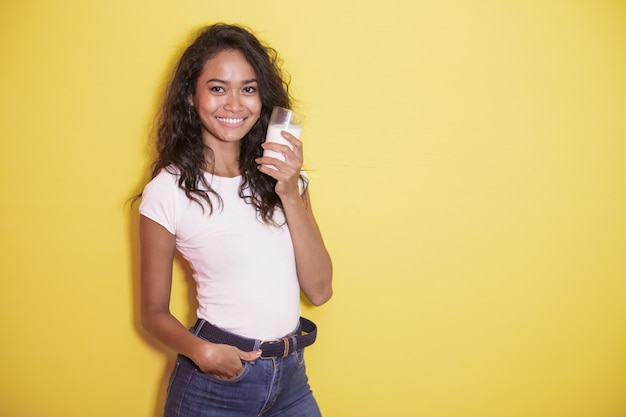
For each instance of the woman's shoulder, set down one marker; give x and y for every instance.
(167, 175)
(165, 181)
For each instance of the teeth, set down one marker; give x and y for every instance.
(229, 121)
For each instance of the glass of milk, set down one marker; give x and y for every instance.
(282, 119)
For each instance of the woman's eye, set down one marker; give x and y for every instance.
(249, 90)
(217, 89)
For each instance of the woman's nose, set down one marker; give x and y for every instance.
(233, 102)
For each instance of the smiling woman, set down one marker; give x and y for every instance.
(244, 356)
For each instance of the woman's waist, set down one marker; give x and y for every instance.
(263, 323)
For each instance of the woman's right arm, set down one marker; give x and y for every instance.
(157, 258)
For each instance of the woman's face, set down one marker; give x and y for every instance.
(227, 99)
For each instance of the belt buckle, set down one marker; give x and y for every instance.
(285, 341)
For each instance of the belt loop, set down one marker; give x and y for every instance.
(198, 326)
(294, 342)
(286, 346)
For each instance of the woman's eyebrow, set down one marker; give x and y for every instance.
(217, 80)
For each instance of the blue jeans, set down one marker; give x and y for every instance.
(266, 387)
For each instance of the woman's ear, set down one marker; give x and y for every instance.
(190, 100)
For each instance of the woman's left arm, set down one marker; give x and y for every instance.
(312, 259)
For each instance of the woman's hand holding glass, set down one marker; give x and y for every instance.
(287, 172)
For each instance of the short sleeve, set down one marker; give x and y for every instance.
(159, 201)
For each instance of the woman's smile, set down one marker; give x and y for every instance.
(230, 121)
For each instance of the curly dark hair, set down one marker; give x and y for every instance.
(179, 138)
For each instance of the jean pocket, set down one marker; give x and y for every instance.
(242, 374)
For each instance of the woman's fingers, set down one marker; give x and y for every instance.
(249, 356)
(296, 144)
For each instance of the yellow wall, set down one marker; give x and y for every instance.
(468, 161)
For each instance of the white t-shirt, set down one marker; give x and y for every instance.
(244, 269)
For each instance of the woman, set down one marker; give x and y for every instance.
(247, 230)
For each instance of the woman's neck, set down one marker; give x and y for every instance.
(223, 168)
(226, 171)
(223, 162)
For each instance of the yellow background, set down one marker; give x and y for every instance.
(468, 166)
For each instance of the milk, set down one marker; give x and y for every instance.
(273, 135)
